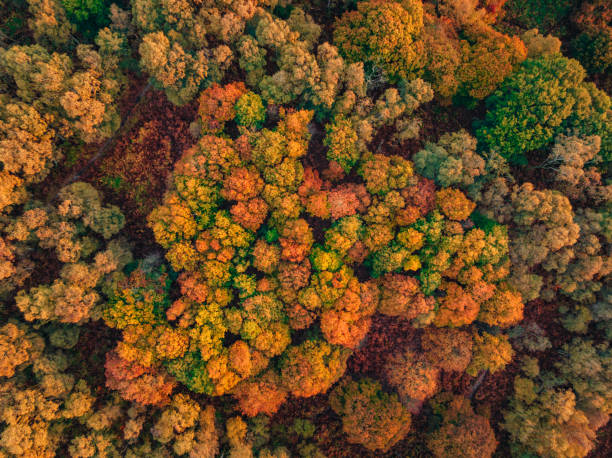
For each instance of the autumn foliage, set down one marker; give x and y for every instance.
(355, 401)
(261, 228)
(462, 432)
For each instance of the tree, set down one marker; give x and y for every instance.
(413, 376)
(569, 159)
(216, 105)
(341, 139)
(296, 240)
(457, 308)
(586, 366)
(454, 204)
(548, 405)
(312, 367)
(545, 15)
(579, 276)
(215, 248)
(49, 22)
(261, 395)
(138, 300)
(18, 347)
(179, 73)
(190, 428)
(594, 50)
(504, 309)
(449, 349)
(322, 80)
(593, 14)
(488, 57)
(443, 55)
(383, 34)
(491, 352)
(26, 150)
(529, 337)
(543, 227)
(348, 321)
(78, 229)
(400, 295)
(250, 111)
(462, 432)
(26, 142)
(144, 385)
(79, 99)
(539, 45)
(540, 100)
(251, 59)
(385, 173)
(176, 418)
(236, 430)
(453, 161)
(88, 15)
(355, 401)
(465, 57)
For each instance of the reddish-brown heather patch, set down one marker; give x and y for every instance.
(436, 120)
(76, 160)
(456, 382)
(95, 340)
(547, 316)
(604, 443)
(134, 173)
(328, 434)
(496, 388)
(387, 335)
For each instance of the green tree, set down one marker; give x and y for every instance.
(530, 107)
(87, 15)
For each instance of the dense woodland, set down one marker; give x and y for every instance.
(287, 228)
